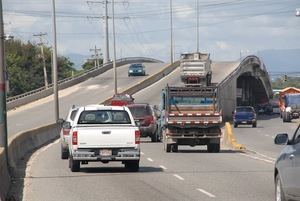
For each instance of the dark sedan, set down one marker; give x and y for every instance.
(287, 168)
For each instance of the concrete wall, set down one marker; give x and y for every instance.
(4, 176)
(42, 92)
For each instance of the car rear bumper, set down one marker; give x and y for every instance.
(244, 121)
(119, 155)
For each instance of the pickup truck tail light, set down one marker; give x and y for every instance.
(75, 138)
(137, 137)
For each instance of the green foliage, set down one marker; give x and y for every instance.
(280, 83)
(90, 64)
(25, 66)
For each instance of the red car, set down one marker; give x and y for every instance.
(145, 114)
(121, 100)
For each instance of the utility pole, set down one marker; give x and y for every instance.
(55, 83)
(197, 25)
(41, 44)
(171, 26)
(96, 56)
(3, 114)
(114, 47)
(106, 57)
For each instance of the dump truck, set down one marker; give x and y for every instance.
(289, 103)
(195, 68)
(190, 116)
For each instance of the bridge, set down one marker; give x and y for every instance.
(240, 82)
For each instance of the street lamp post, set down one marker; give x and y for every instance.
(114, 47)
(171, 31)
(55, 83)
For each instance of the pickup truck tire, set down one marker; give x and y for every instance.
(74, 165)
(174, 148)
(167, 147)
(133, 166)
(213, 148)
(254, 125)
(154, 137)
(64, 153)
(235, 125)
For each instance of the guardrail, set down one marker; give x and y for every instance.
(23, 143)
(42, 92)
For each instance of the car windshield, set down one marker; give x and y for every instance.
(104, 117)
(244, 109)
(140, 111)
(293, 99)
(136, 66)
(191, 100)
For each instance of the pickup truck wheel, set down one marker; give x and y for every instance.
(74, 165)
(167, 148)
(254, 125)
(235, 125)
(175, 148)
(133, 166)
(154, 137)
(64, 153)
(213, 148)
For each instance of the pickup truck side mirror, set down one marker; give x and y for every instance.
(281, 139)
(66, 125)
(137, 123)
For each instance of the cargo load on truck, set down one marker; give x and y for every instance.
(196, 68)
(190, 116)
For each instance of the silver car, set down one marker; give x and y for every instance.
(287, 168)
(64, 134)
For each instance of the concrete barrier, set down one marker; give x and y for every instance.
(4, 176)
(230, 139)
(148, 81)
(42, 92)
(18, 147)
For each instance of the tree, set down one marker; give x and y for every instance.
(91, 64)
(25, 69)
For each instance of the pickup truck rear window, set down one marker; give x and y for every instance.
(104, 117)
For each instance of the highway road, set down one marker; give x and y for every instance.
(191, 174)
(91, 91)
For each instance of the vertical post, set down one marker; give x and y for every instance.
(44, 66)
(106, 46)
(114, 47)
(55, 84)
(171, 26)
(197, 25)
(3, 115)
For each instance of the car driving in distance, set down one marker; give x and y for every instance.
(244, 115)
(287, 167)
(145, 114)
(136, 69)
(105, 134)
(64, 134)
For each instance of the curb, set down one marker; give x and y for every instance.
(230, 138)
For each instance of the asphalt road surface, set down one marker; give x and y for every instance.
(92, 91)
(190, 174)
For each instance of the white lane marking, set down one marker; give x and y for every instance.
(29, 165)
(142, 153)
(162, 167)
(267, 135)
(150, 159)
(178, 177)
(206, 193)
(263, 155)
(256, 158)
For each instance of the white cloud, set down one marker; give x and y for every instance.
(222, 45)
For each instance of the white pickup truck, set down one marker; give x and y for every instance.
(104, 133)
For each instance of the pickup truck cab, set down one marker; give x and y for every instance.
(104, 133)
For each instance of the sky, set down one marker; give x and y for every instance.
(227, 28)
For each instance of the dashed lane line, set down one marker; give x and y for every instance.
(257, 158)
(206, 193)
(163, 167)
(150, 159)
(178, 177)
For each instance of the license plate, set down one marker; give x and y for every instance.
(105, 152)
(244, 122)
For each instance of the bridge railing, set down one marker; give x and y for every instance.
(42, 92)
